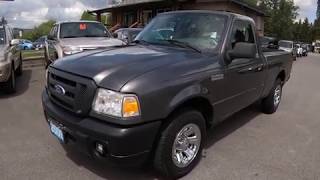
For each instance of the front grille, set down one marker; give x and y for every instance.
(71, 92)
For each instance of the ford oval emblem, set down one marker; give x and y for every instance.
(59, 89)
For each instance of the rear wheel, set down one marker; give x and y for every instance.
(19, 70)
(47, 61)
(10, 85)
(271, 103)
(181, 143)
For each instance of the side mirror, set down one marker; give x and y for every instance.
(243, 50)
(14, 42)
(115, 35)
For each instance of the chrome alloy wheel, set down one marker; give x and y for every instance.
(277, 95)
(186, 145)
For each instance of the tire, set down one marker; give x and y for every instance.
(10, 85)
(271, 103)
(19, 70)
(164, 162)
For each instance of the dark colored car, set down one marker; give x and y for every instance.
(268, 43)
(40, 43)
(127, 34)
(304, 49)
(186, 72)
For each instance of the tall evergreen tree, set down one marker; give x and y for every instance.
(318, 10)
(281, 16)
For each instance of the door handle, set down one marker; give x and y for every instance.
(255, 68)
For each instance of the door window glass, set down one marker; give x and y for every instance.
(242, 32)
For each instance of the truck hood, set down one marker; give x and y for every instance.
(114, 67)
(91, 42)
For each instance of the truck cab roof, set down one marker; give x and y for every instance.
(81, 21)
(229, 14)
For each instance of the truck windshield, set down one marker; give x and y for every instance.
(2, 36)
(202, 31)
(83, 29)
(285, 44)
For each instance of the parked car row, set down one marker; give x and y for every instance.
(297, 49)
(155, 98)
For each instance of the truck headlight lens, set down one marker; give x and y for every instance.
(69, 50)
(116, 104)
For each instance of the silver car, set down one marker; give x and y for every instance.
(68, 38)
(10, 59)
(288, 46)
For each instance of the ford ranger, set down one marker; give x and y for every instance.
(156, 98)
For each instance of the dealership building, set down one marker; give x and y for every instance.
(134, 13)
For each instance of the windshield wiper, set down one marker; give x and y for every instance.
(182, 44)
(70, 37)
(94, 36)
(139, 41)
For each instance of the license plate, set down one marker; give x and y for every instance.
(56, 131)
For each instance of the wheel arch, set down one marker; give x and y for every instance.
(199, 103)
(282, 76)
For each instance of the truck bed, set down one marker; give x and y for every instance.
(277, 61)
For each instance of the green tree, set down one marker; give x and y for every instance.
(306, 31)
(280, 18)
(87, 16)
(315, 30)
(38, 31)
(90, 17)
(251, 2)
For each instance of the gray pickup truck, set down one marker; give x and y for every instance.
(68, 38)
(10, 59)
(155, 99)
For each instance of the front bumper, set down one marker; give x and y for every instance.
(5, 71)
(124, 145)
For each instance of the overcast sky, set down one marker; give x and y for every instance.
(28, 13)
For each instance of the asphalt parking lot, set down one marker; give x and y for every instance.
(249, 145)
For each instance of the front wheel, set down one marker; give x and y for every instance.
(10, 85)
(19, 70)
(180, 145)
(271, 103)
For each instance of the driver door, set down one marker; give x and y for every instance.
(244, 76)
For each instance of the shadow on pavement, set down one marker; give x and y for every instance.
(108, 171)
(231, 124)
(22, 85)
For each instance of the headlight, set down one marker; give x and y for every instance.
(69, 50)
(116, 104)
